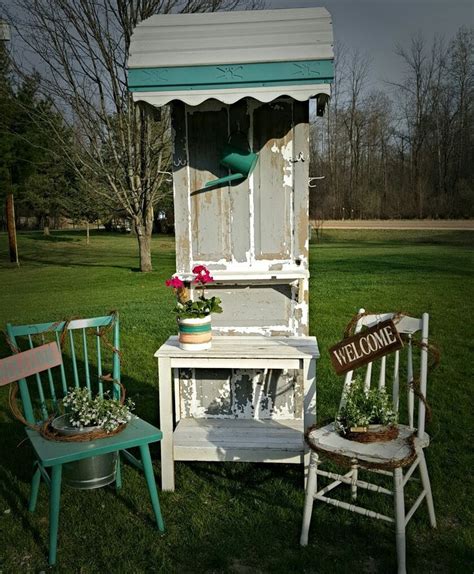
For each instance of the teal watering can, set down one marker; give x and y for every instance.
(238, 160)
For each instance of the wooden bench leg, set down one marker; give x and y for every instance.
(166, 423)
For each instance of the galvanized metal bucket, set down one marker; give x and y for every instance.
(92, 472)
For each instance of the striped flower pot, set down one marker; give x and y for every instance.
(195, 334)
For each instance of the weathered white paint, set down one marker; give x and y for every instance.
(264, 331)
(287, 154)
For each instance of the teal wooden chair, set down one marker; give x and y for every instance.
(85, 361)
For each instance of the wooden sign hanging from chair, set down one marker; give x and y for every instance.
(363, 348)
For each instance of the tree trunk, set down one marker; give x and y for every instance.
(11, 228)
(46, 225)
(87, 233)
(144, 247)
(143, 229)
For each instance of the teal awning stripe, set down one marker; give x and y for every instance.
(230, 76)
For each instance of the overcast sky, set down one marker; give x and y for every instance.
(376, 26)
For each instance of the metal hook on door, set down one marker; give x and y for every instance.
(299, 158)
(313, 179)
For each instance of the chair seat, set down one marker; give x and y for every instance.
(326, 439)
(137, 432)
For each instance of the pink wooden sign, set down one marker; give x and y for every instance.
(29, 362)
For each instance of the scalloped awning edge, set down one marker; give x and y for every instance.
(231, 96)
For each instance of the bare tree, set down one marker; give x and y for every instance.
(460, 64)
(354, 117)
(83, 46)
(421, 71)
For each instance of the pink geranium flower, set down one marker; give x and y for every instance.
(202, 275)
(200, 269)
(174, 282)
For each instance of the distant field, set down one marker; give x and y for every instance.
(244, 518)
(426, 224)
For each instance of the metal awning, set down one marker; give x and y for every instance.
(227, 56)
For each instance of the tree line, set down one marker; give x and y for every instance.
(74, 144)
(405, 151)
(118, 152)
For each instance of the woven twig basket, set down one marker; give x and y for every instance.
(372, 433)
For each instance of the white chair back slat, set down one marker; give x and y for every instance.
(423, 374)
(345, 388)
(411, 395)
(396, 381)
(368, 377)
(383, 367)
(348, 377)
(404, 324)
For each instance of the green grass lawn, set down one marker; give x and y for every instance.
(242, 517)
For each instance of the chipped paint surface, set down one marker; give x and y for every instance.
(287, 153)
(241, 393)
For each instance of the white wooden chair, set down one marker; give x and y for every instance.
(374, 457)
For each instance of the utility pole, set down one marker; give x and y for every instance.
(10, 204)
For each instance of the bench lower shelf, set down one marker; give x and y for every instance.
(245, 440)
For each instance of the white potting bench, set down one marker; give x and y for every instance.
(247, 77)
(235, 439)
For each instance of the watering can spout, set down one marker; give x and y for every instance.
(226, 179)
(240, 161)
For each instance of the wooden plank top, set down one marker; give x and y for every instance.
(244, 347)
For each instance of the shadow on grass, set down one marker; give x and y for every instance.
(53, 238)
(64, 258)
(19, 507)
(64, 261)
(245, 480)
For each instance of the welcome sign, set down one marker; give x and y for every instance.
(365, 347)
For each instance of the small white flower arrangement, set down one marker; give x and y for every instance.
(364, 407)
(83, 410)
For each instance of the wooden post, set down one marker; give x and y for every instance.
(11, 228)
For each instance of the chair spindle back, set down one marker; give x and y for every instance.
(84, 361)
(405, 366)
